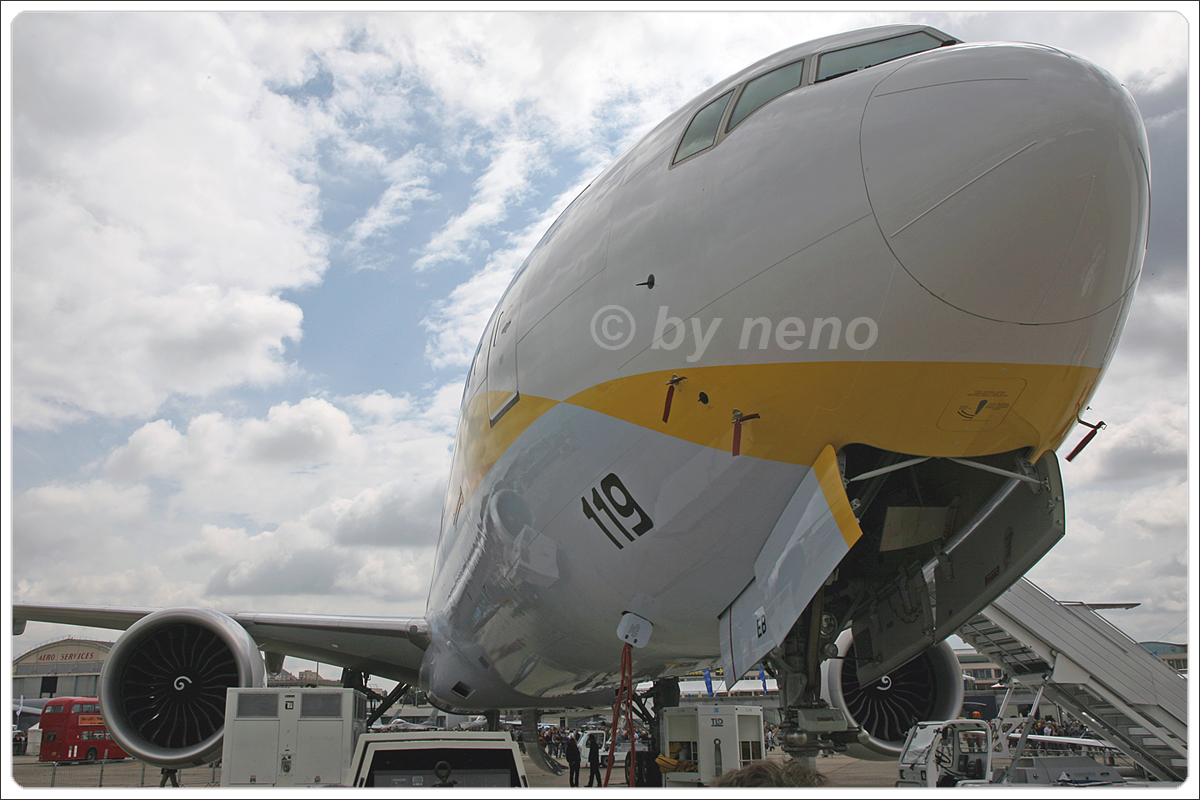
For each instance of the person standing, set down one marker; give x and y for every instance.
(594, 762)
(573, 759)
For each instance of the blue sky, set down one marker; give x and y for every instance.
(251, 256)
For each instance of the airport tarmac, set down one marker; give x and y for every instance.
(841, 771)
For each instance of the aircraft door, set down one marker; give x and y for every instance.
(502, 391)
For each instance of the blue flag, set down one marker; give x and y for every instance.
(708, 683)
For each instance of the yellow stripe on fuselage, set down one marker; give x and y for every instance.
(917, 408)
(482, 444)
(905, 407)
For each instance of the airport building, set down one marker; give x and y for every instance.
(70, 667)
(60, 668)
(978, 669)
(1173, 655)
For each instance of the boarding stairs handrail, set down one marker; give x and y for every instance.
(1089, 667)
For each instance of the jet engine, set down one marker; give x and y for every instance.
(928, 687)
(162, 688)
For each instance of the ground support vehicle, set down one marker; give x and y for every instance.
(431, 759)
(955, 752)
(958, 753)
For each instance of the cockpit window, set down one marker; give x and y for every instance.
(702, 133)
(763, 90)
(852, 59)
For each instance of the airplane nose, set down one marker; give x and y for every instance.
(1011, 181)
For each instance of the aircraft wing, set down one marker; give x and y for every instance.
(390, 647)
(29, 706)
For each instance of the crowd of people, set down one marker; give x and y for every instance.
(1071, 729)
(563, 743)
(554, 740)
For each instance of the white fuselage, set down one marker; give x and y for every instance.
(856, 262)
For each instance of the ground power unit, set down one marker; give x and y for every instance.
(290, 737)
(706, 741)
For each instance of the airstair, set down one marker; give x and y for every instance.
(1093, 670)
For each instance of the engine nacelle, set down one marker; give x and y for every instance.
(928, 687)
(162, 689)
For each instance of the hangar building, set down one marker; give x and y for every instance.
(60, 668)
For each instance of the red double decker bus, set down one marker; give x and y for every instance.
(73, 730)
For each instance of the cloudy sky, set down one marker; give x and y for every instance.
(250, 255)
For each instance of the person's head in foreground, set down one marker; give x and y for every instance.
(772, 773)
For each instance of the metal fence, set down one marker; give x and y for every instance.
(32, 774)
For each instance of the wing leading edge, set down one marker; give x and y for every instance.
(390, 647)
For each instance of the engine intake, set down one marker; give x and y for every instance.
(927, 687)
(162, 688)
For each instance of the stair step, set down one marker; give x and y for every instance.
(1112, 659)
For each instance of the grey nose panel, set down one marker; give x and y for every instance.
(1011, 186)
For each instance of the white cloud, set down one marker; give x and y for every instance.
(310, 556)
(158, 216)
(400, 512)
(311, 431)
(299, 457)
(140, 585)
(1158, 510)
(155, 448)
(393, 576)
(381, 406)
(52, 518)
(296, 571)
(1083, 531)
(284, 45)
(342, 497)
(506, 181)
(408, 182)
